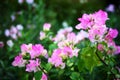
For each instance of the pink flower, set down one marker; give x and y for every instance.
(44, 77)
(33, 66)
(13, 30)
(112, 33)
(46, 26)
(62, 34)
(85, 21)
(75, 52)
(67, 51)
(56, 59)
(100, 17)
(97, 32)
(19, 61)
(81, 35)
(42, 35)
(26, 48)
(71, 37)
(36, 51)
(117, 51)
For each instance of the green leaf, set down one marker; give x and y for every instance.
(48, 66)
(38, 75)
(89, 58)
(75, 76)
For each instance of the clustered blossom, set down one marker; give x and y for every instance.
(19, 61)
(94, 25)
(14, 32)
(60, 54)
(34, 52)
(33, 65)
(65, 37)
(46, 28)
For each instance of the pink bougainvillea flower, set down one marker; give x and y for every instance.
(86, 21)
(75, 52)
(55, 58)
(96, 33)
(100, 17)
(112, 33)
(44, 77)
(36, 50)
(46, 26)
(19, 61)
(117, 51)
(81, 35)
(42, 35)
(14, 32)
(68, 51)
(33, 65)
(71, 37)
(61, 34)
(26, 48)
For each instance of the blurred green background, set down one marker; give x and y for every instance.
(33, 16)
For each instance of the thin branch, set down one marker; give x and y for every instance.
(104, 62)
(43, 70)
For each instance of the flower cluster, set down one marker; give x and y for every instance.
(61, 54)
(94, 25)
(33, 62)
(14, 32)
(46, 28)
(66, 41)
(92, 29)
(65, 37)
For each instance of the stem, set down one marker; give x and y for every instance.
(104, 62)
(100, 59)
(44, 72)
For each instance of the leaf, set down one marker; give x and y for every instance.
(75, 76)
(89, 58)
(48, 66)
(38, 75)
